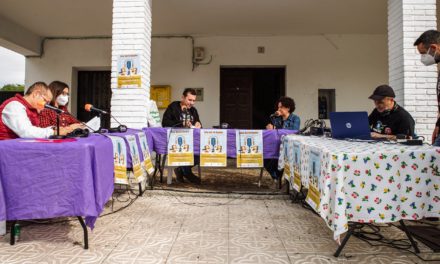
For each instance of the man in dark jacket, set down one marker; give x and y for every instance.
(388, 119)
(183, 114)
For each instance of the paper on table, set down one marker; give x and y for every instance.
(94, 123)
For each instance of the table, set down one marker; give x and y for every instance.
(271, 143)
(369, 182)
(46, 180)
(133, 132)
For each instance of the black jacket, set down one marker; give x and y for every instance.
(174, 116)
(397, 121)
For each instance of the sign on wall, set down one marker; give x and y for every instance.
(161, 94)
(129, 71)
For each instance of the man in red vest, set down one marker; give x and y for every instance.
(20, 115)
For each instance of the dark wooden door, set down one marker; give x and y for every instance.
(248, 95)
(94, 88)
(236, 97)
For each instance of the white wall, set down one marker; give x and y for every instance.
(352, 64)
(63, 58)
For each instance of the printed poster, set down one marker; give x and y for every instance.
(180, 147)
(249, 144)
(135, 158)
(287, 170)
(120, 159)
(148, 164)
(313, 195)
(129, 71)
(296, 181)
(213, 147)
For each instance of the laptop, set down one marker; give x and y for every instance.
(350, 125)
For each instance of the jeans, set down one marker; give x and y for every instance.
(437, 141)
(186, 170)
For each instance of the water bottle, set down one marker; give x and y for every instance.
(16, 232)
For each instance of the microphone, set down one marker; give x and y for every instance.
(90, 108)
(276, 114)
(48, 106)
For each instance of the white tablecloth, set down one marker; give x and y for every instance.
(366, 182)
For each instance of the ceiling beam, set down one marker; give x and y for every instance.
(18, 38)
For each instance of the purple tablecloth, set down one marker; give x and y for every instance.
(46, 180)
(271, 141)
(134, 132)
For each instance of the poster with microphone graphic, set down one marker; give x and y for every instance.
(314, 194)
(135, 158)
(129, 71)
(148, 164)
(213, 147)
(180, 147)
(120, 159)
(296, 182)
(249, 145)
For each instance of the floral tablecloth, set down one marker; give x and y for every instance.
(364, 182)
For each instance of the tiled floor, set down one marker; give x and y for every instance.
(172, 227)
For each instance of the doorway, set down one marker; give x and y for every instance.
(94, 88)
(248, 95)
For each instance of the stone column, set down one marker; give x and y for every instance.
(414, 83)
(131, 35)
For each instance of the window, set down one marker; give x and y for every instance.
(326, 102)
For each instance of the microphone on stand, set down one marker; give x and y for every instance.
(53, 108)
(121, 128)
(58, 111)
(186, 114)
(91, 108)
(274, 115)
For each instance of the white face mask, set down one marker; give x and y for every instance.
(62, 100)
(428, 59)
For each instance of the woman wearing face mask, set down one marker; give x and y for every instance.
(60, 100)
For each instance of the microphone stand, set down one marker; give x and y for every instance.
(57, 136)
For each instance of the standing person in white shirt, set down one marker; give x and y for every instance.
(19, 115)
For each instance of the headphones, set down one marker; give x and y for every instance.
(118, 129)
(388, 111)
(78, 133)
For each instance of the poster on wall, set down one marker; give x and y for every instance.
(249, 145)
(148, 164)
(135, 158)
(213, 147)
(129, 71)
(296, 181)
(120, 160)
(180, 147)
(313, 195)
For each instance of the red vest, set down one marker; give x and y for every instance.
(32, 113)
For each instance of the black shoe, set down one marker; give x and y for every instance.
(191, 177)
(179, 175)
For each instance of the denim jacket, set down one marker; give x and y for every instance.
(291, 123)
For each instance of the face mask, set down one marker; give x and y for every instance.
(428, 59)
(62, 100)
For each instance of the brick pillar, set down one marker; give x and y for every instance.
(414, 83)
(131, 35)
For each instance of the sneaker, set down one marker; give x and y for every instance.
(191, 177)
(179, 175)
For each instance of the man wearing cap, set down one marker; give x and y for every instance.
(389, 119)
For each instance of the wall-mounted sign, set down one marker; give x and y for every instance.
(199, 94)
(161, 94)
(129, 71)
